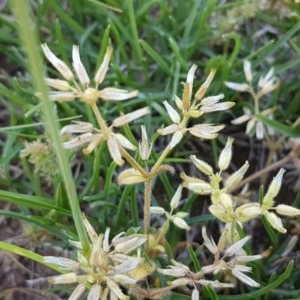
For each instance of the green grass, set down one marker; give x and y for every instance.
(155, 43)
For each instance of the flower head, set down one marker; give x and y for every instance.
(266, 84)
(268, 207)
(70, 89)
(193, 106)
(90, 137)
(106, 267)
(229, 260)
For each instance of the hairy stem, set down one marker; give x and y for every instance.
(147, 203)
(264, 171)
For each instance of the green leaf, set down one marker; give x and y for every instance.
(286, 130)
(264, 290)
(34, 202)
(156, 57)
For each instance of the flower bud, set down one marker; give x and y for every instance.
(226, 154)
(172, 112)
(130, 176)
(275, 221)
(287, 210)
(176, 198)
(201, 165)
(180, 223)
(247, 70)
(237, 176)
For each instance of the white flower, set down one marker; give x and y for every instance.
(69, 89)
(193, 108)
(104, 269)
(229, 259)
(91, 137)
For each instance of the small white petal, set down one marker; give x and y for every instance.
(273, 189)
(176, 138)
(79, 141)
(241, 119)
(247, 70)
(78, 292)
(211, 100)
(205, 131)
(94, 293)
(201, 165)
(244, 278)
(62, 262)
(168, 130)
(61, 85)
(209, 242)
(195, 294)
(233, 249)
(79, 68)
(176, 198)
(259, 130)
(180, 223)
(237, 176)
(287, 210)
(123, 279)
(113, 94)
(114, 150)
(263, 80)
(116, 290)
(226, 154)
(157, 210)
(240, 87)
(216, 107)
(172, 112)
(178, 102)
(130, 176)
(106, 240)
(64, 278)
(124, 142)
(127, 118)
(79, 127)
(62, 96)
(100, 75)
(58, 64)
(127, 244)
(203, 88)
(275, 221)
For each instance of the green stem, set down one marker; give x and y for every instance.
(100, 120)
(160, 160)
(133, 162)
(28, 36)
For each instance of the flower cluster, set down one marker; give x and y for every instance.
(106, 268)
(225, 206)
(70, 89)
(266, 85)
(193, 107)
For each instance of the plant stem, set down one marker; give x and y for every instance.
(28, 36)
(147, 203)
(264, 171)
(102, 124)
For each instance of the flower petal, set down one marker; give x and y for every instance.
(113, 94)
(79, 68)
(114, 150)
(58, 64)
(100, 75)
